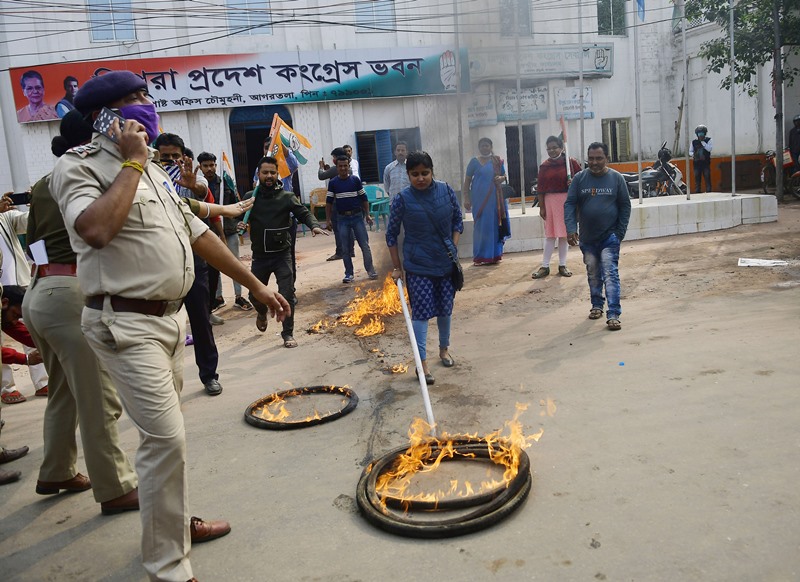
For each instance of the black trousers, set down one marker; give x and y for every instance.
(702, 170)
(198, 302)
(279, 264)
(213, 283)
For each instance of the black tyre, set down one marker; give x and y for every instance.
(492, 507)
(768, 179)
(254, 419)
(794, 186)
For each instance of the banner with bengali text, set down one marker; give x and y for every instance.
(215, 81)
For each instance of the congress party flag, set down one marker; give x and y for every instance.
(227, 174)
(288, 147)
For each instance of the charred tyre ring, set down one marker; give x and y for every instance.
(492, 507)
(259, 422)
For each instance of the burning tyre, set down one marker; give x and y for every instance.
(424, 516)
(271, 412)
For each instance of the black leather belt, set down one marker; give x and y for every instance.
(143, 306)
(350, 213)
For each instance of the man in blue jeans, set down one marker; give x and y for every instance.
(600, 196)
(352, 206)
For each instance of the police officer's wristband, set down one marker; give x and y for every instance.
(133, 164)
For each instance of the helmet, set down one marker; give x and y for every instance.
(701, 129)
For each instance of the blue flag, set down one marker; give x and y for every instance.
(640, 5)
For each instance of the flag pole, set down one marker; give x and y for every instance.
(566, 149)
(638, 104)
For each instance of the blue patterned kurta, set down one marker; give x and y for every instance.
(431, 296)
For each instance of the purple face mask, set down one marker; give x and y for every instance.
(144, 114)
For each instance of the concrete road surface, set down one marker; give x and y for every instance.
(672, 454)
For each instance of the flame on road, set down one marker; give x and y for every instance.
(374, 306)
(274, 409)
(425, 455)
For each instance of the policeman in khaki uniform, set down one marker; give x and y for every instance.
(134, 240)
(81, 391)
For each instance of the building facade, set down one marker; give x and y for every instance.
(385, 71)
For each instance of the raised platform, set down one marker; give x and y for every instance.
(654, 217)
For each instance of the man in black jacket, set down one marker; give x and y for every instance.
(270, 224)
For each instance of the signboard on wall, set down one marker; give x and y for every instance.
(482, 110)
(541, 62)
(568, 103)
(217, 81)
(533, 104)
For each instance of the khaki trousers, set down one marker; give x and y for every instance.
(80, 392)
(144, 356)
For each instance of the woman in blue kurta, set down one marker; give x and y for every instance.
(429, 213)
(484, 197)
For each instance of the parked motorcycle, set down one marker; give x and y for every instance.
(663, 178)
(791, 180)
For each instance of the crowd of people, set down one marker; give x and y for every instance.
(129, 240)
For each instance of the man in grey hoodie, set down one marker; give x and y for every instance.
(600, 197)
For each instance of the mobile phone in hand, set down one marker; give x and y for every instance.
(20, 198)
(104, 121)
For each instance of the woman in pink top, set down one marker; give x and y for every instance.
(552, 190)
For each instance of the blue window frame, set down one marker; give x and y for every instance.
(111, 20)
(249, 16)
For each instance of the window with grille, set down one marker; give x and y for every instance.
(611, 17)
(374, 15)
(249, 16)
(515, 17)
(375, 150)
(617, 136)
(111, 20)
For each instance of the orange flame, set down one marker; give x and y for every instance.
(375, 304)
(399, 369)
(274, 410)
(504, 446)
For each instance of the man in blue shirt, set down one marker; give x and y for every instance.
(600, 196)
(352, 207)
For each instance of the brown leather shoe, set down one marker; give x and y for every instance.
(205, 531)
(9, 455)
(9, 477)
(127, 502)
(77, 483)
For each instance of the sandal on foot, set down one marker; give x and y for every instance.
(289, 342)
(447, 360)
(13, 397)
(595, 313)
(541, 273)
(261, 323)
(564, 272)
(614, 324)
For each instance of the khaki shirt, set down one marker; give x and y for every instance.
(151, 257)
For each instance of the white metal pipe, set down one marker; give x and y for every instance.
(581, 122)
(638, 106)
(423, 385)
(686, 136)
(733, 108)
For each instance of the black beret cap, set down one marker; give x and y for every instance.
(107, 88)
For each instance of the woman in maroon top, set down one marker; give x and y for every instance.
(552, 190)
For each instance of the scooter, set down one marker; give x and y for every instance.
(791, 180)
(661, 179)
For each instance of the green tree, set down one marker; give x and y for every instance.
(754, 38)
